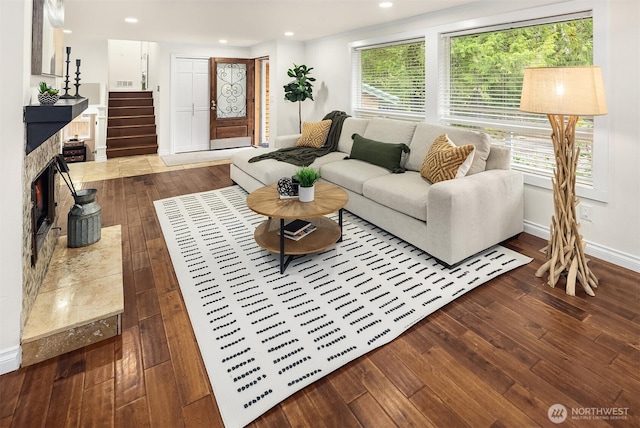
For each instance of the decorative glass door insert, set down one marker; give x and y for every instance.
(232, 90)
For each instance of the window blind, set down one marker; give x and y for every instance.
(481, 82)
(389, 80)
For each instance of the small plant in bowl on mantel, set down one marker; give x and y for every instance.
(307, 177)
(47, 95)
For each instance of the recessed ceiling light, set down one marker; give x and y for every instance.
(222, 41)
(131, 20)
(67, 31)
(386, 4)
(288, 33)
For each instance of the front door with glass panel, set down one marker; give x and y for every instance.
(232, 98)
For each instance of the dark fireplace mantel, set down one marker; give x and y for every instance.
(43, 121)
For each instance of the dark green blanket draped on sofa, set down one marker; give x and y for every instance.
(304, 156)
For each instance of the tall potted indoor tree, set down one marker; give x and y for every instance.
(300, 88)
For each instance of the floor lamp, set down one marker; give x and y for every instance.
(563, 94)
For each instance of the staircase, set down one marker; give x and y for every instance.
(131, 124)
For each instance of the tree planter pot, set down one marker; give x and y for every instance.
(305, 194)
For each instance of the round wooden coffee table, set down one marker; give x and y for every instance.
(270, 234)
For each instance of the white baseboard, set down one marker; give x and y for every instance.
(10, 359)
(601, 252)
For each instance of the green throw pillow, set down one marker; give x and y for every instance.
(386, 155)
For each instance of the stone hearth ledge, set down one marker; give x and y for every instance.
(80, 301)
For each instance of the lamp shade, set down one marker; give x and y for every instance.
(574, 91)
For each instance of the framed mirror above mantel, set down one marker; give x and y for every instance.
(47, 38)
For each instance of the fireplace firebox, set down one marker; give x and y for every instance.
(43, 210)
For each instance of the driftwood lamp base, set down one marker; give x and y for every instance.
(565, 251)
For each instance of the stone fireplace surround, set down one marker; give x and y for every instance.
(33, 276)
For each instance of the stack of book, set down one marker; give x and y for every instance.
(298, 229)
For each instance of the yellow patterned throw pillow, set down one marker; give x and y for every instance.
(446, 161)
(314, 134)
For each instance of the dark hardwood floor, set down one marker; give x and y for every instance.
(498, 356)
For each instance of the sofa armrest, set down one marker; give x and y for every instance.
(286, 140)
(470, 214)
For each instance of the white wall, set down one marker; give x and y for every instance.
(614, 233)
(15, 49)
(125, 64)
(287, 54)
(93, 54)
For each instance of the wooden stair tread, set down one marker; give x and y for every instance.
(130, 98)
(135, 116)
(130, 94)
(131, 136)
(130, 126)
(131, 151)
(140, 146)
(129, 107)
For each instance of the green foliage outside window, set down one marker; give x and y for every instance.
(485, 82)
(490, 65)
(395, 76)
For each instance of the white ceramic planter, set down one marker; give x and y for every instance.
(305, 194)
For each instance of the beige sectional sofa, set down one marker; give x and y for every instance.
(451, 220)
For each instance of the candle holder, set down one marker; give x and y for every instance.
(77, 79)
(66, 80)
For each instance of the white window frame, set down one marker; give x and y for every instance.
(599, 189)
(356, 110)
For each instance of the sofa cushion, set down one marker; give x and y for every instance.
(314, 134)
(446, 161)
(406, 193)
(351, 126)
(390, 130)
(351, 174)
(267, 171)
(426, 134)
(386, 155)
(328, 158)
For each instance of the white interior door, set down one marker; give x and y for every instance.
(191, 108)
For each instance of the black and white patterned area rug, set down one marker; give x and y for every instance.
(264, 336)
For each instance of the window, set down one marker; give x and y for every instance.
(482, 71)
(389, 80)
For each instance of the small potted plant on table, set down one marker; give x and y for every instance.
(307, 177)
(47, 95)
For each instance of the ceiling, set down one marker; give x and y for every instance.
(242, 23)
